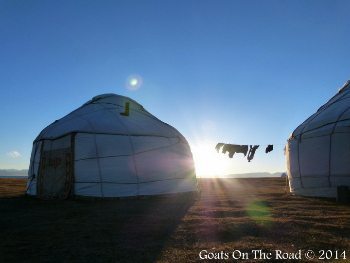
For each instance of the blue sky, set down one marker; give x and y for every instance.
(245, 72)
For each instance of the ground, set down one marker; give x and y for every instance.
(229, 215)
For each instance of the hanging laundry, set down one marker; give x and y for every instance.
(218, 146)
(269, 148)
(232, 149)
(252, 152)
(235, 148)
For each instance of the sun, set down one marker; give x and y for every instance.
(207, 161)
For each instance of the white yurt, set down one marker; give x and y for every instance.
(318, 151)
(110, 147)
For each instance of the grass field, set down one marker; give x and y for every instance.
(230, 214)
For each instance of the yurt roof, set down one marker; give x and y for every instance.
(102, 115)
(333, 116)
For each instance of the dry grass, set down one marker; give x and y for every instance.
(241, 214)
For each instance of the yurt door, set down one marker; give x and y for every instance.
(56, 168)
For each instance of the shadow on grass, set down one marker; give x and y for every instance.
(124, 230)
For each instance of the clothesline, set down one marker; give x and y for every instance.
(236, 148)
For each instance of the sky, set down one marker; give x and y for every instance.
(242, 72)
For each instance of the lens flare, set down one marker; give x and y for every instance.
(259, 212)
(134, 82)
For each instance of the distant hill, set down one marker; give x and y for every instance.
(253, 175)
(9, 173)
